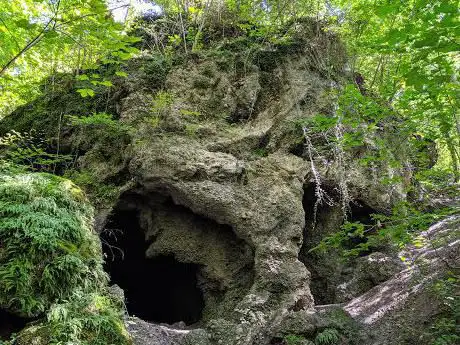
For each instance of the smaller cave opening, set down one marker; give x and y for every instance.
(159, 289)
(298, 149)
(359, 212)
(10, 324)
(329, 269)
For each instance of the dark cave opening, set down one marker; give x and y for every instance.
(159, 289)
(10, 324)
(358, 211)
(328, 269)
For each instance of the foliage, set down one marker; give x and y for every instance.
(162, 103)
(156, 68)
(48, 247)
(292, 339)
(359, 130)
(446, 329)
(395, 52)
(261, 152)
(99, 123)
(329, 336)
(26, 151)
(51, 263)
(100, 133)
(399, 228)
(85, 318)
(406, 52)
(402, 74)
(41, 38)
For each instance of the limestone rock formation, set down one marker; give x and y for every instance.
(402, 308)
(211, 219)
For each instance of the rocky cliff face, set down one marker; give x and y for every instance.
(210, 224)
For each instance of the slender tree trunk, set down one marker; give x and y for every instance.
(29, 45)
(34, 40)
(453, 156)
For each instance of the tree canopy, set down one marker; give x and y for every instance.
(42, 38)
(390, 71)
(405, 51)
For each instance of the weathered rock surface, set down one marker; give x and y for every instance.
(370, 271)
(217, 171)
(399, 310)
(145, 333)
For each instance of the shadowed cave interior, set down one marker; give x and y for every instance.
(159, 289)
(326, 273)
(10, 324)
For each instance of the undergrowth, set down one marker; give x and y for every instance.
(83, 319)
(51, 262)
(446, 328)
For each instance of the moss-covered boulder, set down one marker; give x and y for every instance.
(47, 245)
(51, 263)
(86, 319)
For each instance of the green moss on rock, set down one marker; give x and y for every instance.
(51, 263)
(47, 247)
(83, 320)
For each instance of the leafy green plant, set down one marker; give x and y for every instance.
(48, 245)
(162, 103)
(329, 336)
(399, 228)
(42, 38)
(156, 69)
(85, 318)
(293, 339)
(406, 53)
(446, 329)
(97, 121)
(100, 132)
(191, 129)
(27, 151)
(261, 152)
(51, 264)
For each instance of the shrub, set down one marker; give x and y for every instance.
(84, 319)
(446, 328)
(47, 245)
(28, 151)
(330, 336)
(292, 339)
(100, 126)
(51, 264)
(156, 71)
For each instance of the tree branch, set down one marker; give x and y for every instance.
(29, 45)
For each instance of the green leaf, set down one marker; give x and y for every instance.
(121, 74)
(86, 92)
(107, 83)
(51, 34)
(22, 23)
(430, 40)
(82, 77)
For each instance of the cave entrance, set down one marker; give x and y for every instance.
(328, 270)
(159, 289)
(10, 324)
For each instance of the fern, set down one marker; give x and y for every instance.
(48, 247)
(330, 336)
(292, 339)
(51, 264)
